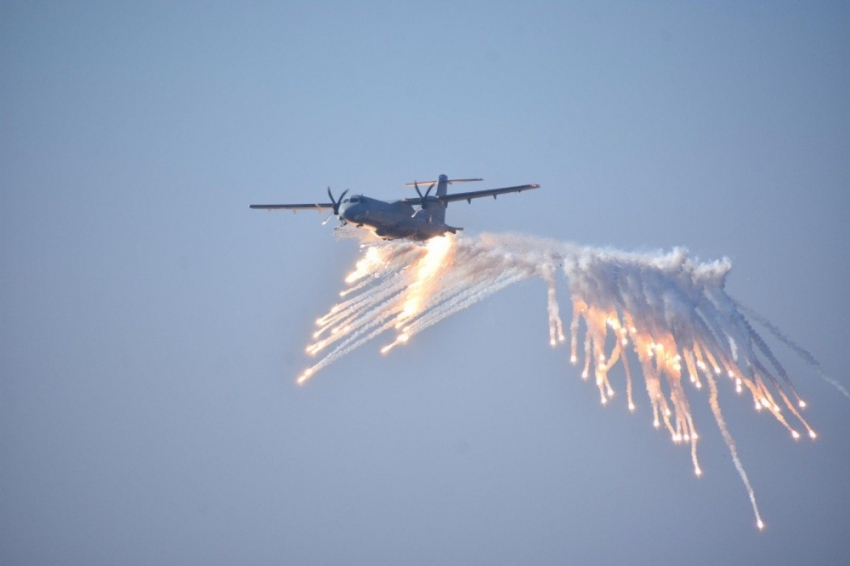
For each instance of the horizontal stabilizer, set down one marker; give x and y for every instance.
(449, 181)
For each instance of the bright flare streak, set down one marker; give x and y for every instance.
(669, 313)
(426, 270)
(305, 376)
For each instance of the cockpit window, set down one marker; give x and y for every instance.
(354, 199)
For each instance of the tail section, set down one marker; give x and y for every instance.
(442, 186)
(435, 207)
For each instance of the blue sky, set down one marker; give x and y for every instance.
(153, 325)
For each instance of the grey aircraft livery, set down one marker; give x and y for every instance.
(399, 219)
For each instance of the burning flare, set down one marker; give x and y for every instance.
(668, 312)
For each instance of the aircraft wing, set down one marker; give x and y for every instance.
(319, 206)
(468, 196)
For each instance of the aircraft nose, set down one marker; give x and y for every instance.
(348, 213)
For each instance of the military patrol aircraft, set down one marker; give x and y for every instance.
(399, 219)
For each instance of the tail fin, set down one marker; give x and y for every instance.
(442, 186)
(437, 208)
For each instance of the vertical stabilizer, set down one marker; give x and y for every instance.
(442, 186)
(437, 209)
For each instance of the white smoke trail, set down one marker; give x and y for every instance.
(800, 351)
(669, 311)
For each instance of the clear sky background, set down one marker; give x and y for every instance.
(153, 326)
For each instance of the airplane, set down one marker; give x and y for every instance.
(399, 219)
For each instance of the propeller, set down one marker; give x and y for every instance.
(336, 202)
(424, 198)
(416, 185)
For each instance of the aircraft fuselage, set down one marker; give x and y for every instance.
(391, 220)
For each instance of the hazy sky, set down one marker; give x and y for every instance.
(153, 325)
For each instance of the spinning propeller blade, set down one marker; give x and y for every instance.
(427, 192)
(338, 201)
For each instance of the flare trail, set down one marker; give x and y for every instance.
(666, 312)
